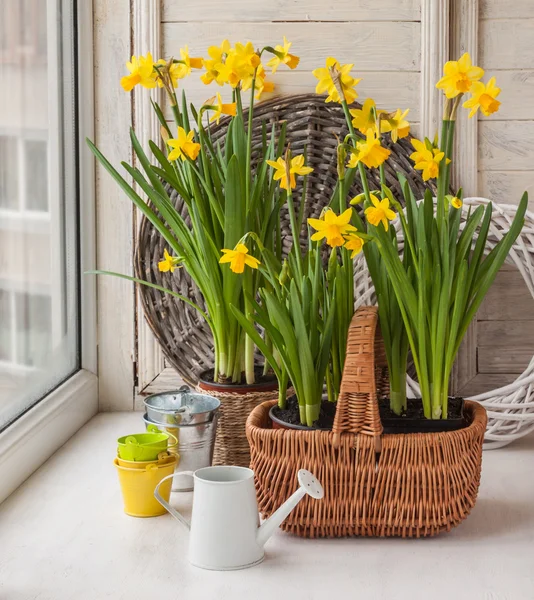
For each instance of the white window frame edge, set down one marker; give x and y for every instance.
(34, 437)
(146, 32)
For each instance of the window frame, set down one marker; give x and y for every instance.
(31, 439)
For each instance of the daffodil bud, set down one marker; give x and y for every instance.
(358, 199)
(164, 134)
(284, 273)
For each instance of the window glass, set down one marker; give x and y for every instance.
(38, 202)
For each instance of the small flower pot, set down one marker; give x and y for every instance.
(412, 422)
(237, 402)
(326, 419)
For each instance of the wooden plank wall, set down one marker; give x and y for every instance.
(505, 327)
(356, 31)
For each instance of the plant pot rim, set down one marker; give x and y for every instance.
(237, 388)
(285, 425)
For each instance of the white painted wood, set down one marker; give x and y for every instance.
(146, 38)
(374, 46)
(506, 43)
(434, 42)
(64, 536)
(507, 187)
(28, 442)
(166, 381)
(500, 9)
(390, 90)
(113, 112)
(87, 204)
(506, 145)
(517, 94)
(296, 10)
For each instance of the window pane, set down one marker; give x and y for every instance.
(38, 205)
(36, 175)
(9, 172)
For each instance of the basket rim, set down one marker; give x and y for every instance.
(475, 409)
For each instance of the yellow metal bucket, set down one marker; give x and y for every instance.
(138, 487)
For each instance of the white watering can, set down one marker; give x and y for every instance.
(225, 527)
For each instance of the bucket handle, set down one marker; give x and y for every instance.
(154, 429)
(168, 507)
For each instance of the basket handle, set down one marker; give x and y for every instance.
(357, 406)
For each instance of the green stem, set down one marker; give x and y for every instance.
(248, 168)
(294, 232)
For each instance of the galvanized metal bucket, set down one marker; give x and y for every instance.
(192, 419)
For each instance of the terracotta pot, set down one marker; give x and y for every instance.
(237, 402)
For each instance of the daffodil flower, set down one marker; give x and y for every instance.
(456, 202)
(426, 160)
(282, 57)
(459, 76)
(355, 243)
(141, 73)
(295, 168)
(188, 63)
(169, 263)
(183, 146)
(174, 71)
(332, 227)
(215, 67)
(396, 124)
(220, 109)
(379, 212)
(345, 81)
(238, 258)
(369, 152)
(364, 118)
(483, 97)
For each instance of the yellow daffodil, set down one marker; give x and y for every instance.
(174, 71)
(238, 258)
(332, 227)
(369, 152)
(141, 72)
(364, 118)
(282, 57)
(183, 146)
(458, 76)
(396, 124)
(169, 263)
(215, 67)
(456, 202)
(240, 65)
(345, 82)
(296, 168)
(261, 84)
(483, 97)
(188, 63)
(426, 160)
(355, 243)
(220, 109)
(379, 212)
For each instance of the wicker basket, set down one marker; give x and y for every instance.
(409, 485)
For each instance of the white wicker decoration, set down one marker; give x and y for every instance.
(510, 408)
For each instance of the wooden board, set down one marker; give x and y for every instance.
(369, 46)
(296, 10)
(506, 187)
(517, 94)
(506, 145)
(508, 299)
(501, 9)
(486, 382)
(503, 359)
(506, 333)
(389, 90)
(506, 43)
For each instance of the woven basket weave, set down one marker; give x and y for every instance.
(409, 485)
(312, 125)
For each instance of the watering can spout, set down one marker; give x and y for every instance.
(308, 485)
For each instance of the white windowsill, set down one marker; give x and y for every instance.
(63, 535)
(34, 437)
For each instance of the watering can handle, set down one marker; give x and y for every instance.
(168, 507)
